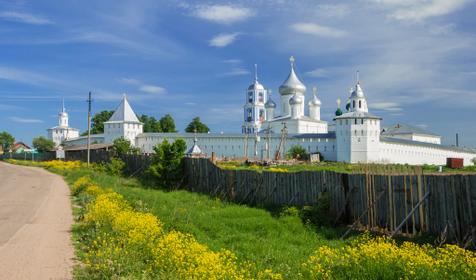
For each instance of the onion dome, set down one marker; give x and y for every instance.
(296, 99)
(256, 85)
(270, 104)
(338, 111)
(315, 101)
(292, 84)
(358, 92)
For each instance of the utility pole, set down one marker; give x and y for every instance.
(89, 126)
(457, 140)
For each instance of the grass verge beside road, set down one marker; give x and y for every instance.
(125, 230)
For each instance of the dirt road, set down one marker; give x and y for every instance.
(35, 224)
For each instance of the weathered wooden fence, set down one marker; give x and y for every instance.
(448, 202)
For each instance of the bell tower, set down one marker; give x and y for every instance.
(254, 109)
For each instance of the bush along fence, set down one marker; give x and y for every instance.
(410, 203)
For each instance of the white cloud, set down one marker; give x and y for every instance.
(331, 11)
(419, 10)
(386, 106)
(130, 81)
(318, 30)
(232, 61)
(27, 77)
(24, 18)
(237, 72)
(23, 120)
(224, 14)
(152, 89)
(318, 73)
(223, 40)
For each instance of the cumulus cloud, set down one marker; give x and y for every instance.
(223, 14)
(24, 18)
(318, 30)
(223, 40)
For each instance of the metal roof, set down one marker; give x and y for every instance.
(124, 113)
(405, 129)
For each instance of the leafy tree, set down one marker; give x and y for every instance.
(123, 146)
(167, 124)
(298, 152)
(167, 162)
(150, 124)
(42, 144)
(197, 126)
(6, 141)
(115, 166)
(97, 121)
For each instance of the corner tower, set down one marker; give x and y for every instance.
(123, 123)
(357, 131)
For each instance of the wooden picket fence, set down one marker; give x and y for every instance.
(403, 201)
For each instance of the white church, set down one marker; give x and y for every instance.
(62, 132)
(353, 136)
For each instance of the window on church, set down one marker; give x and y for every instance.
(355, 121)
(353, 103)
(261, 97)
(360, 103)
(250, 97)
(362, 121)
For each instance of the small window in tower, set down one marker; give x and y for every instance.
(261, 97)
(353, 103)
(362, 121)
(250, 97)
(355, 121)
(360, 103)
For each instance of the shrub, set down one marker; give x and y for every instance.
(319, 213)
(115, 166)
(167, 162)
(298, 152)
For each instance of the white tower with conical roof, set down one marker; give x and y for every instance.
(123, 123)
(254, 108)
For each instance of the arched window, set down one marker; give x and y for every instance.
(353, 103)
(360, 104)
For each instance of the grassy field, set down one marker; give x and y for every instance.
(342, 167)
(282, 243)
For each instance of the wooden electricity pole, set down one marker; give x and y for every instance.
(89, 127)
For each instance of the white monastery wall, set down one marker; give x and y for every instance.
(416, 154)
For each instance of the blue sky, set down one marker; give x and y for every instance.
(417, 59)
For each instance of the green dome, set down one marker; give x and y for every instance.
(338, 112)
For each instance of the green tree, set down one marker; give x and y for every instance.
(197, 126)
(98, 120)
(298, 152)
(150, 124)
(42, 144)
(6, 141)
(167, 124)
(167, 163)
(123, 146)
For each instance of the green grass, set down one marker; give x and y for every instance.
(342, 167)
(282, 243)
